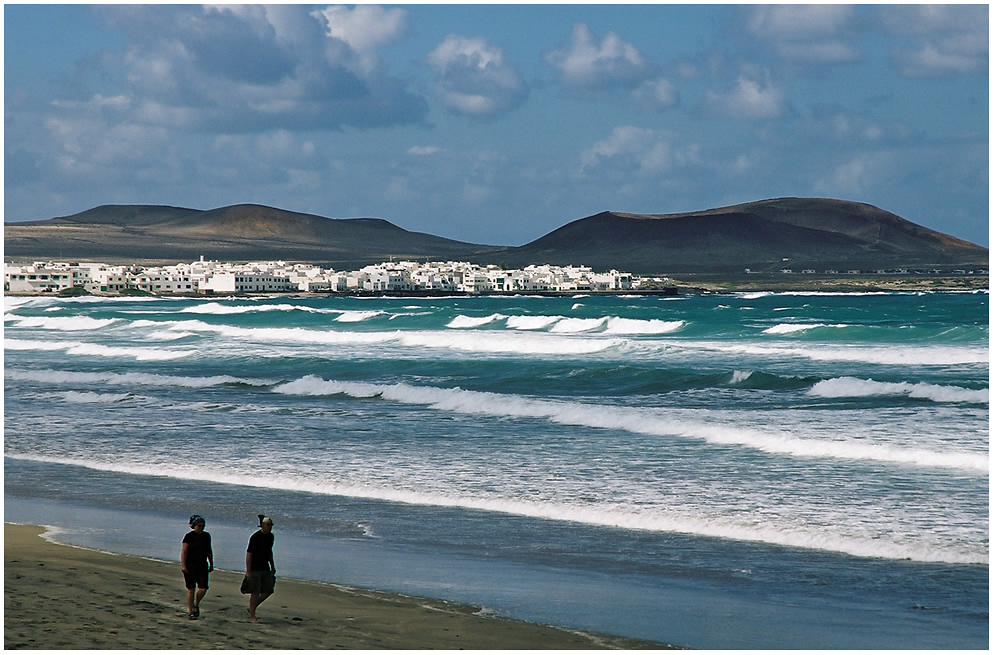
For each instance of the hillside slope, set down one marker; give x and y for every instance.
(239, 232)
(767, 235)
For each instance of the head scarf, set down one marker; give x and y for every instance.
(196, 518)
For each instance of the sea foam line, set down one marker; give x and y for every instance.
(138, 379)
(791, 328)
(219, 309)
(61, 323)
(849, 387)
(600, 515)
(635, 420)
(481, 342)
(140, 354)
(883, 355)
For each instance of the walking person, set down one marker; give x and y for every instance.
(197, 562)
(260, 569)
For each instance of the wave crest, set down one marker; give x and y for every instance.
(849, 387)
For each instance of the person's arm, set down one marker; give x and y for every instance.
(182, 557)
(248, 563)
(210, 556)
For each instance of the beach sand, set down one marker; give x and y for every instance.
(64, 597)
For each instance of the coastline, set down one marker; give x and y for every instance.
(690, 285)
(61, 596)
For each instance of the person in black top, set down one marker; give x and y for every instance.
(196, 561)
(260, 569)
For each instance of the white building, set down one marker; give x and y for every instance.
(213, 277)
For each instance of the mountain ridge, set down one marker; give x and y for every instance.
(764, 235)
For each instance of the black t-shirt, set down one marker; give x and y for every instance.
(198, 549)
(261, 547)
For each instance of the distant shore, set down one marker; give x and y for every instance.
(64, 597)
(690, 284)
(714, 283)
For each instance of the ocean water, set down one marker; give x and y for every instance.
(765, 470)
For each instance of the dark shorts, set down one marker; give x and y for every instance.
(196, 578)
(260, 582)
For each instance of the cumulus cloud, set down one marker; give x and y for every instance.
(748, 98)
(950, 39)
(806, 34)
(636, 150)
(657, 94)
(854, 177)
(472, 78)
(586, 65)
(365, 29)
(254, 67)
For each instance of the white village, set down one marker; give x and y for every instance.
(208, 277)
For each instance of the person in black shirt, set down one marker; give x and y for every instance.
(196, 561)
(260, 569)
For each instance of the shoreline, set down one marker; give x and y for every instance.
(686, 286)
(62, 596)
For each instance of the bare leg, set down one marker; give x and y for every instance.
(201, 592)
(256, 599)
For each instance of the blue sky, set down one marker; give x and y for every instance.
(497, 123)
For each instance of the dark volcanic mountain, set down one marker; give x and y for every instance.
(236, 233)
(768, 235)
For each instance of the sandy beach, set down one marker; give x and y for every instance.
(64, 597)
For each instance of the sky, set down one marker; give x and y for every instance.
(496, 124)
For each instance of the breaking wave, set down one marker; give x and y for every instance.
(849, 387)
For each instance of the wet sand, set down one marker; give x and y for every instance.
(64, 597)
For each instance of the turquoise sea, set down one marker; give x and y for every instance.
(766, 470)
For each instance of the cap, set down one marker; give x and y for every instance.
(196, 518)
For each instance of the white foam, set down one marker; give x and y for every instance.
(89, 397)
(740, 376)
(146, 379)
(573, 325)
(531, 322)
(62, 323)
(617, 325)
(358, 316)
(219, 309)
(791, 328)
(78, 348)
(647, 519)
(31, 344)
(642, 421)
(462, 321)
(925, 355)
(287, 335)
(849, 387)
(520, 343)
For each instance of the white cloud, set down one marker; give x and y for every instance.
(472, 78)
(246, 68)
(588, 66)
(951, 39)
(657, 94)
(853, 178)
(748, 99)
(638, 151)
(423, 150)
(797, 22)
(366, 28)
(807, 34)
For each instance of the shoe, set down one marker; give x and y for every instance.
(196, 612)
(192, 617)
